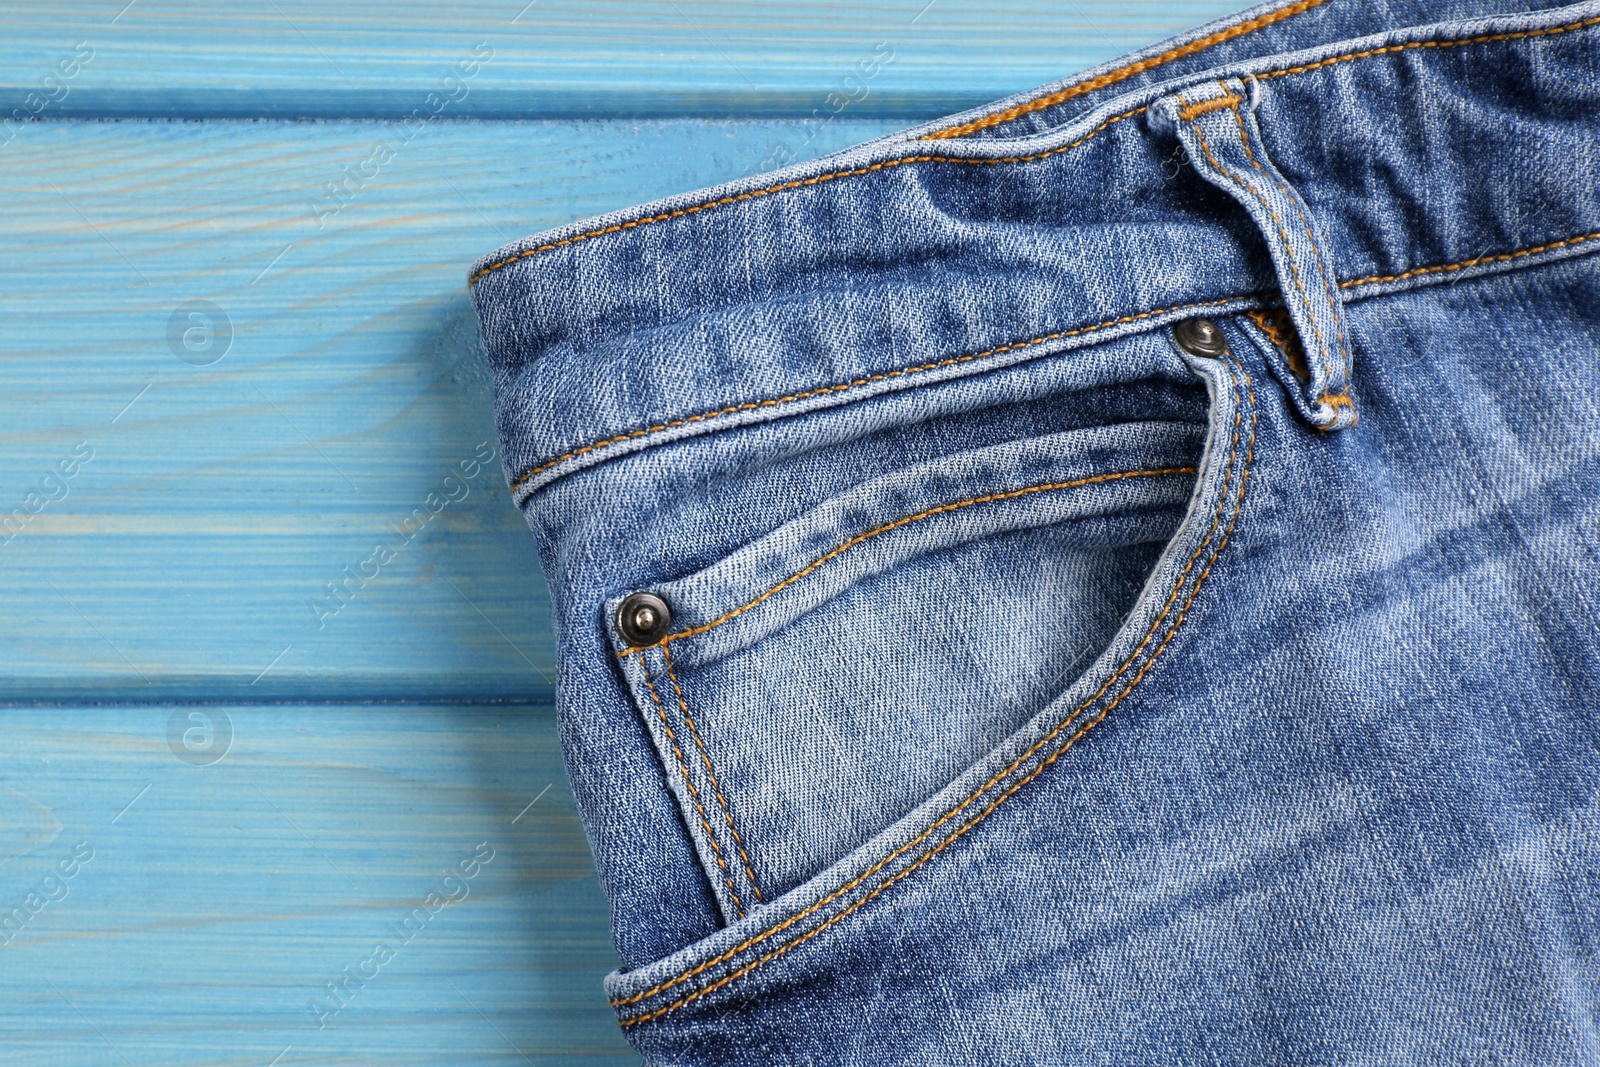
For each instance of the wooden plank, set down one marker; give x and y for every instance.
(563, 58)
(187, 558)
(209, 905)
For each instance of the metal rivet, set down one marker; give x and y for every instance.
(643, 619)
(1200, 337)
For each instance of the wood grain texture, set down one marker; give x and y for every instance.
(564, 58)
(180, 519)
(217, 902)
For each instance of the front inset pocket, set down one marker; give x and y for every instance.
(820, 683)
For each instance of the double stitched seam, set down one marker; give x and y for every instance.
(1124, 73)
(1476, 261)
(1324, 267)
(857, 171)
(854, 383)
(1234, 370)
(683, 765)
(838, 550)
(716, 787)
(1334, 401)
(1283, 232)
(1548, 31)
(752, 405)
(800, 183)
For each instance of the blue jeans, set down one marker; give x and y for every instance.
(1107, 578)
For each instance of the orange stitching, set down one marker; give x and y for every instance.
(839, 550)
(1279, 329)
(1238, 117)
(1124, 73)
(755, 405)
(1034, 773)
(1289, 249)
(1205, 107)
(798, 184)
(749, 406)
(818, 179)
(1323, 267)
(1183, 578)
(705, 823)
(842, 386)
(1503, 257)
(1548, 31)
(1294, 269)
(705, 757)
(995, 803)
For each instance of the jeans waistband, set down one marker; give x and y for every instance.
(1048, 222)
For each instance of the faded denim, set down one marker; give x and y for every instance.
(1039, 688)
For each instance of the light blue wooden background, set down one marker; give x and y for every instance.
(186, 159)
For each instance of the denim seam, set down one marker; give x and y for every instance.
(1548, 31)
(905, 520)
(1229, 99)
(1324, 263)
(1475, 261)
(839, 387)
(716, 787)
(1124, 73)
(694, 794)
(1288, 247)
(799, 183)
(756, 405)
(1510, 35)
(1235, 369)
(1233, 100)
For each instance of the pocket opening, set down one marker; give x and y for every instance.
(822, 905)
(835, 673)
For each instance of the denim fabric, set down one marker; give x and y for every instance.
(1041, 685)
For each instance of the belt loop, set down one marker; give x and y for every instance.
(1217, 124)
